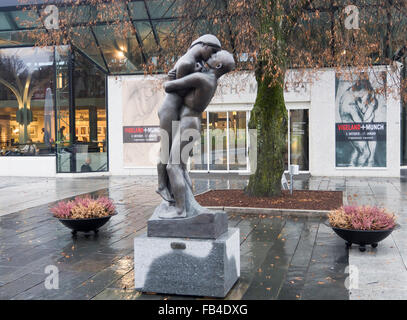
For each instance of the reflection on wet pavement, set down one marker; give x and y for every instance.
(281, 258)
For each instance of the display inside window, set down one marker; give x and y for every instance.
(27, 119)
(299, 139)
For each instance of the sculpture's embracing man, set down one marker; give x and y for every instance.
(193, 84)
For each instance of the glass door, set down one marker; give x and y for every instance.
(223, 146)
(298, 137)
(90, 144)
(81, 116)
(218, 140)
(200, 156)
(238, 140)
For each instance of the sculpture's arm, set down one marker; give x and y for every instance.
(188, 82)
(184, 69)
(172, 74)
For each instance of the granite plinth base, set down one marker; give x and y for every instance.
(205, 225)
(196, 267)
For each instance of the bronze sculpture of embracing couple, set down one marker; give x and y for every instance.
(192, 85)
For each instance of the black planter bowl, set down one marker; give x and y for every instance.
(85, 225)
(362, 237)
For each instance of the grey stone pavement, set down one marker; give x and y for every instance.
(379, 273)
(281, 257)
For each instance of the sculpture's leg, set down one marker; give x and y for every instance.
(192, 124)
(163, 185)
(176, 167)
(168, 112)
(177, 182)
(187, 177)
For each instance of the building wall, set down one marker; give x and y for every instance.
(126, 100)
(129, 104)
(134, 101)
(322, 130)
(28, 166)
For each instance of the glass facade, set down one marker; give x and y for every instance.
(140, 42)
(52, 101)
(27, 114)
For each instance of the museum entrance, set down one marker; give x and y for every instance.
(224, 141)
(81, 114)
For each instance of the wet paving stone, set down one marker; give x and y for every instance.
(293, 284)
(281, 257)
(67, 282)
(24, 283)
(116, 294)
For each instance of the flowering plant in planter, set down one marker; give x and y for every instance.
(362, 224)
(84, 208)
(362, 218)
(84, 213)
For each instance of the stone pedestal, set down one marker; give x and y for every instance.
(206, 225)
(198, 267)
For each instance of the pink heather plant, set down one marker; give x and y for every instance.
(362, 218)
(83, 208)
(63, 209)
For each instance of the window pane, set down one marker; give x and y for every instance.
(237, 140)
(79, 14)
(4, 24)
(166, 34)
(138, 10)
(111, 11)
(14, 38)
(90, 147)
(23, 19)
(150, 47)
(84, 40)
(199, 160)
(299, 138)
(27, 121)
(217, 141)
(161, 8)
(121, 54)
(62, 107)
